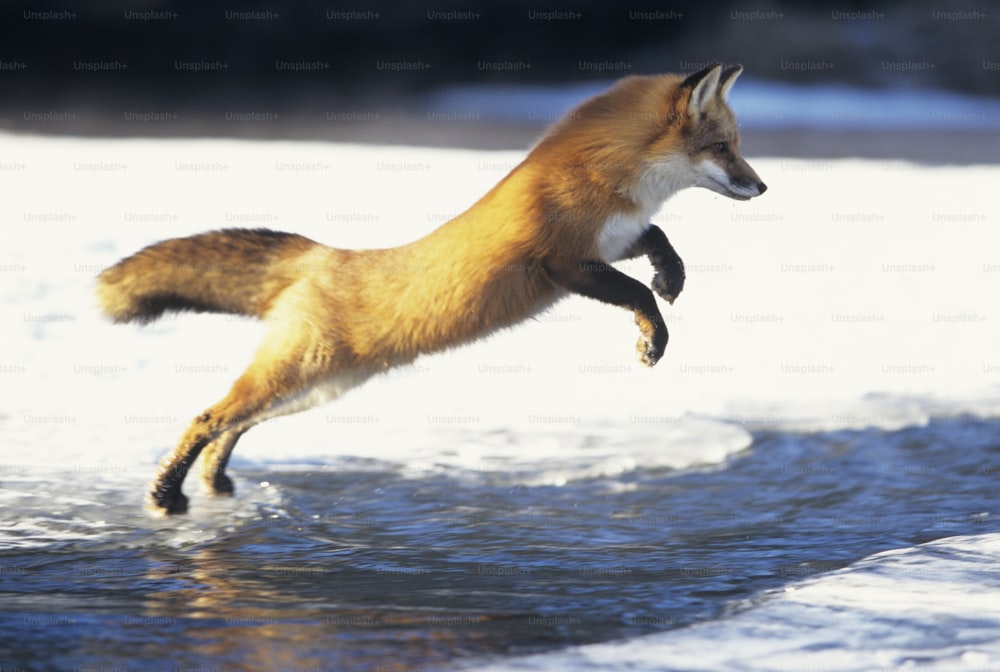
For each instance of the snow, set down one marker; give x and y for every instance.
(930, 607)
(852, 294)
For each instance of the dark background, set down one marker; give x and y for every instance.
(124, 69)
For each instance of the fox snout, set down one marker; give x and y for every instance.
(743, 191)
(745, 184)
(746, 178)
(737, 179)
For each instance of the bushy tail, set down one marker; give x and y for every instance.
(237, 271)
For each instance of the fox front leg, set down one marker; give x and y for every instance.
(668, 281)
(601, 281)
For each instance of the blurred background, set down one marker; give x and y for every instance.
(915, 79)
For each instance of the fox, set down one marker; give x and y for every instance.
(581, 200)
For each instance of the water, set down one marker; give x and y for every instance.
(357, 567)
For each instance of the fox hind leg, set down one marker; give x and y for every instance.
(214, 459)
(225, 422)
(268, 389)
(215, 432)
(255, 396)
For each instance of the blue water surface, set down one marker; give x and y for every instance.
(364, 569)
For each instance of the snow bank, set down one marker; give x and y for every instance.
(851, 294)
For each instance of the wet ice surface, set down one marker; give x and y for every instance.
(828, 394)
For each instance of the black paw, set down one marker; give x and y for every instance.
(161, 503)
(669, 284)
(219, 485)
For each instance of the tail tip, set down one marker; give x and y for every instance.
(115, 303)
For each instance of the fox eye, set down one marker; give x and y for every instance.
(721, 147)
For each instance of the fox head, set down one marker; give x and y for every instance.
(710, 138)
(650, 136)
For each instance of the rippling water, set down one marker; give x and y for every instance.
(360, 567)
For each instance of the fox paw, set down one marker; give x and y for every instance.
(651, 346)
(668, 285)
(219, 486)
(160, 505)
(649, 355)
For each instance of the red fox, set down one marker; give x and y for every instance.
(581, 200)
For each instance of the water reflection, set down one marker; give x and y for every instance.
(246, 609)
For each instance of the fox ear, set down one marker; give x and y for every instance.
(727, 78)
(703, 85)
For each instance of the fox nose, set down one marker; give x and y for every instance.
(761, 188)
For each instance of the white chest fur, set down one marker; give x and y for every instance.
(619, 233)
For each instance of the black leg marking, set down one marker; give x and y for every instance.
(601, 281)
(668, 281)
(214, 459)
(166, 497)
